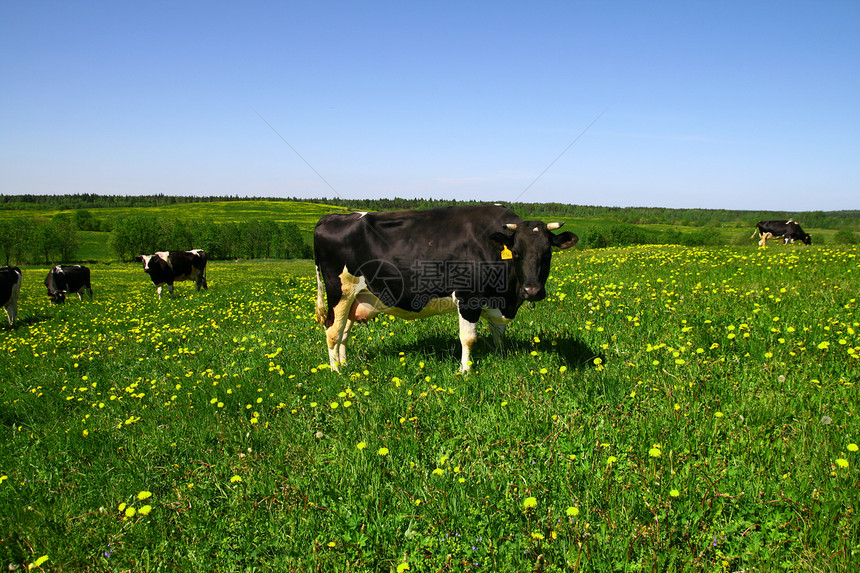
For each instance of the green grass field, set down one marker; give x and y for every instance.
(665, 408)
(303, 214)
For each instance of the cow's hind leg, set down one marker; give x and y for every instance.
(337, 332)
(336, 336)
(344, 336)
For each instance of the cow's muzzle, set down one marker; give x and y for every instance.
(532, 293)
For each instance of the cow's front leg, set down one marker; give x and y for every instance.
(497, 323)
(468, 338)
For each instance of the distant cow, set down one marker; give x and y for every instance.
(10, 287)
(789, 230)
(64, 279)
(167, 267)
(478, 261)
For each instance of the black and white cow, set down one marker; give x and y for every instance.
(473, 260)
(167, 267)
(64, 279)
(789, 230)
(10, 287)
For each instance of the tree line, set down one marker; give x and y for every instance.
(25, 240)
(256, 239)
(628, 215)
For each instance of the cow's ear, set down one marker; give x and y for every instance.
(501, 240)
(564, 240)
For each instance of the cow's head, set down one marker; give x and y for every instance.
(529, 249)
(57, 297)
(806, 239)
(146, 259)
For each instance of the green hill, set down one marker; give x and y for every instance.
(303, 214)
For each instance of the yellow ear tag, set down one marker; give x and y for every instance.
(507, 254)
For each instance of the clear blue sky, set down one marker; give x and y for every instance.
(734, 105)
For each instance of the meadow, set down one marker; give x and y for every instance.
(665, 408)
(303, 214)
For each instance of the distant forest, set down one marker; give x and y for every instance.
(631, 215)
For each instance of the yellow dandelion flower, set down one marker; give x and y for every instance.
(144, 495)
(235, 479)
(403, 567)
(145, 510)
(674, 493)
(361, 445)
(852, 447)
(130, 512)
(572, 511)
(530, 502)
(382, 451)
(38, 562)
(655, 452)
(537, 535)
(842, 463)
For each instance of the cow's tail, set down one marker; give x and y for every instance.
(320, 307)
(757, 230)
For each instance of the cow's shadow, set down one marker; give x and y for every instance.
(27, 321)
(572, 352)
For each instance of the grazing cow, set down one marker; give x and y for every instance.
(789, 230)
(167, 267)
(64, 279)
(10, 287)
(475, 260)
